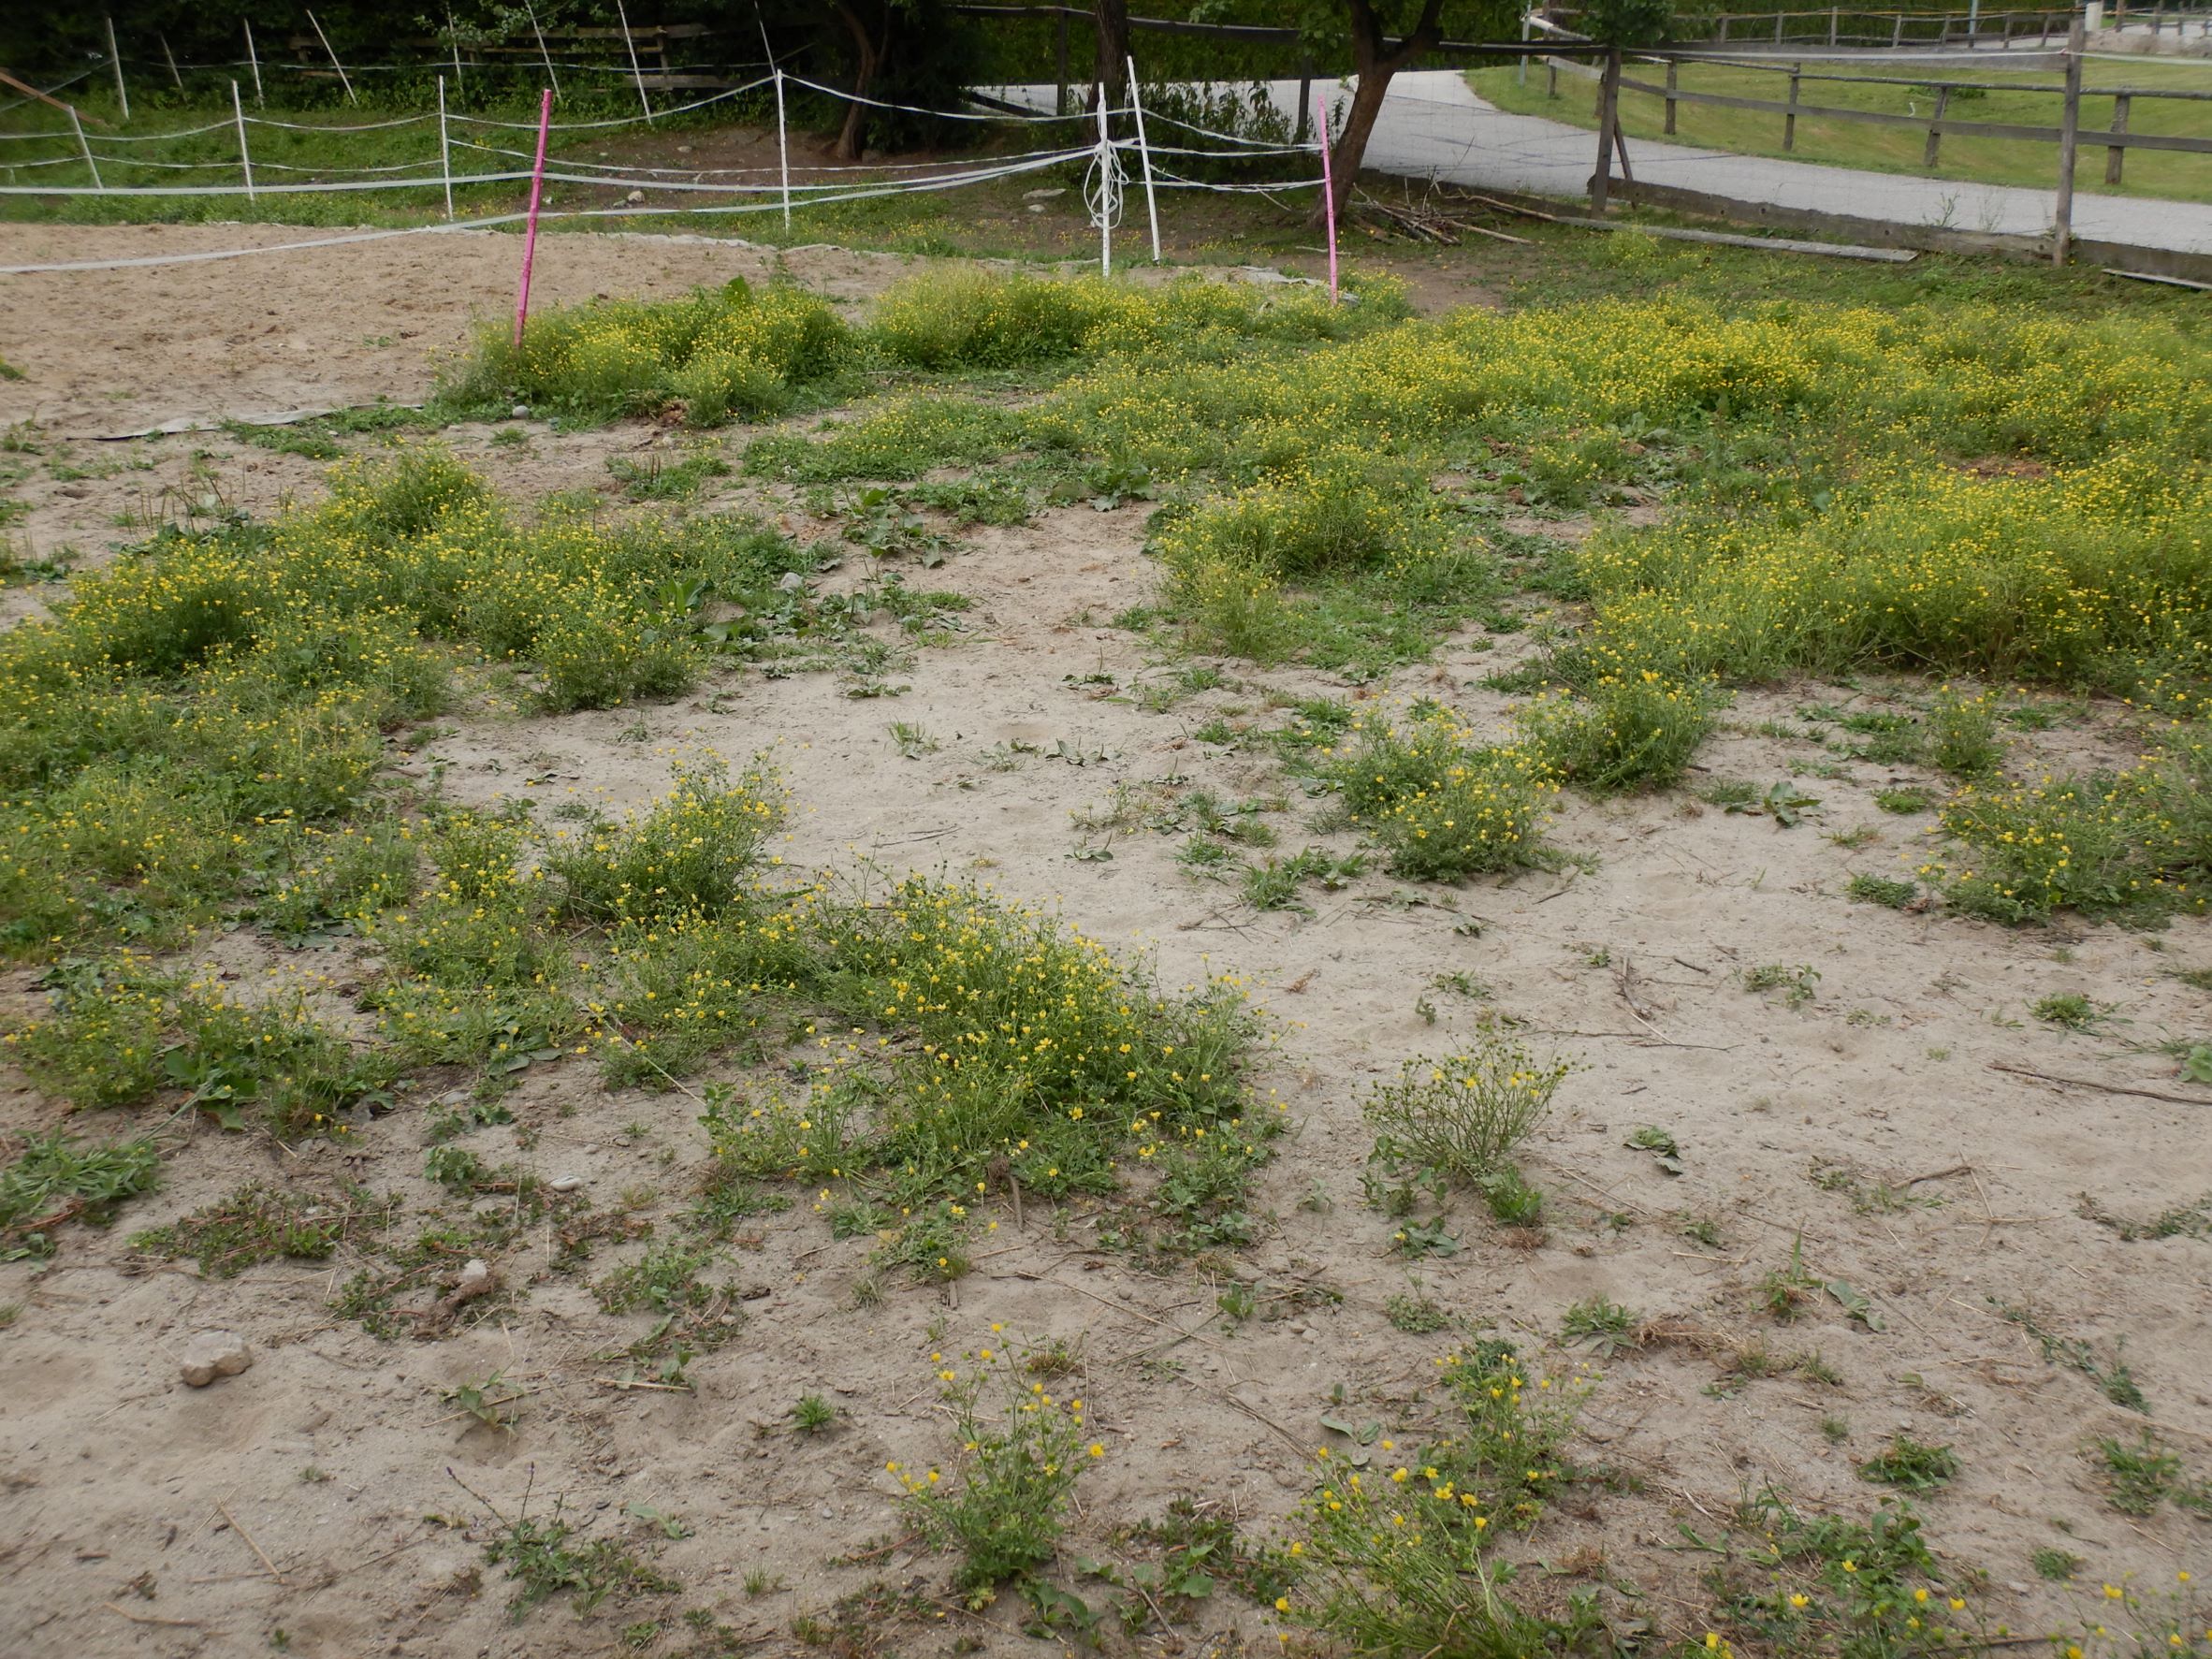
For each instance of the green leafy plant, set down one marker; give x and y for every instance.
(58, 1179)
(1461, 1116)
(1022, 1451)
(1908, 1464)
(1605, 1326)
(1881, 890)
(1794, 985)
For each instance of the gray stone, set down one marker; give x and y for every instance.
(212, 1354)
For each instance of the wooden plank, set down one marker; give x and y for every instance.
(1770, 244)
(1947, 124)
(2147, 276)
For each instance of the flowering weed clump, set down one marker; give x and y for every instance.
(695, 851)
(1399, 1557)
(974, 316)
(1022, 1451)
(1631, 730)
(209, 715)
(122, 1034)
(1461, 1118)
(714, 353)
(1442, 806)
(2132, 843)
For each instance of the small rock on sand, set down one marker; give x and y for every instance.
(212, 1354)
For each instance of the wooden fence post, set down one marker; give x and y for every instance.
(1671, 67)
(1835, 21)
(2117, 153)
(1935, 130)
(1552, 78)
(1608, 98)
(2069, 139)
(1060, 72)
(1897, 31)
(1722, 36)
(1789, 119)
(1778, 22)
(1305, 95)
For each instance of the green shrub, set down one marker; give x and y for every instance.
(1963, 734)
(1442, 808)
(57, 1179)
(693, 852)
(973, 316)
(716, 353)
(1390, 1552)
(1627, 731)
(1014, 1478)
(1459, 1118)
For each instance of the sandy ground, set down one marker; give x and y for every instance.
(140, 1516)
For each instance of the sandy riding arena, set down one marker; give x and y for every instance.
(980, 976)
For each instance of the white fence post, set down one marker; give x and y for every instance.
(782, 150)
(253, 58)
(343, 78)
(444, 149)
(1105, 189)
(246, 157)
(87, 149)
(551, 80)
(635, 73)
(115, 58)
(1144, 155)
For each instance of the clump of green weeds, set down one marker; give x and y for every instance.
(1416, 1314)
(2058, 1565)
(693, 853)
(543, 1559)
(1882, 889)
(659, 479)
(715, 353)
(1784, 1291)
(2178, 1221)
(1274, 884)
(1023, 1449)
(1388, 1553)
(668, 1282)
(2070, 1011)
(57, 1179)
(1625, 732)
(1604, 1325)
(259, 1223)
(1911, 1465)
(2141, 1473)
(1827, 1583)
(1795, 985)
(1458, 1118)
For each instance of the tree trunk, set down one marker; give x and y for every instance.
(867, 53)
(1374, 61)
(1112, 19)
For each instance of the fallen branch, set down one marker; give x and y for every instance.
(256, 1549)
(2103, 1088)
(150, 1619)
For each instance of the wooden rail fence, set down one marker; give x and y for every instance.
(2117, 140)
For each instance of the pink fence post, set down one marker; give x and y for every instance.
(1328, 189)
(530, 236)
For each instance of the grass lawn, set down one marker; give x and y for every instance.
(1899, 149)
